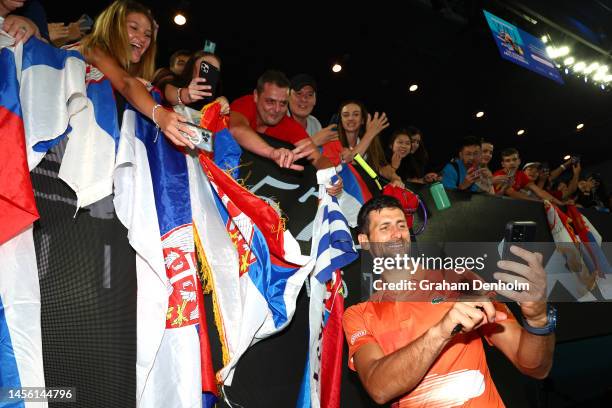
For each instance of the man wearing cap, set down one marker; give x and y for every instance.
(532, 171)
(265, 111)
(302, 99)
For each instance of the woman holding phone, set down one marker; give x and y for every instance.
(122, 47)
(192, 88)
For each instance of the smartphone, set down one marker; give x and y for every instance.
(212, 76)
(521, 234)
(85, 23)
(334, 119)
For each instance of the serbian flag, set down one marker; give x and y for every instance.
(152, 198)
(333, 248)
(567, 264)
(591, 239)
(21, 361)
(255, 265)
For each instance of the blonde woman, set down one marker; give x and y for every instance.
(122, 47)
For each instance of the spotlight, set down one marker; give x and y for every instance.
(569, 61)
(579, 66)
(551, 51)
(603, 87)
(413, 87)
(591, 68)
(520, 132)
(544, 39)
(603, 69)
(567, 157)
(599, 76)
(566, 71)
(337, 68)
(580, 126)
(180, 19)
(480, 114)
(563, 51)
(607, 78)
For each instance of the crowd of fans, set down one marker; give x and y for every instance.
(121, 45)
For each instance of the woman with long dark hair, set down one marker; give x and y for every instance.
(358, 133)
(396, 156)
(417, 161)
(189, 88)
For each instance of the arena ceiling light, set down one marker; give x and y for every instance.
(567, 157)
(569, 61)
(579, 66)
(180, 19)
(520, 132)
(559, 52)
(480, 114)
(413, 87)
(544, 38)
(579, 126)
(591, 68)
(336, 68)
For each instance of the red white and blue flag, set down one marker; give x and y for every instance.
(39, 91)
(256, 266)
(152, 198)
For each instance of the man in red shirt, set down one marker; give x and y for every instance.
(411, 351)
(509, 180)
(265, 111)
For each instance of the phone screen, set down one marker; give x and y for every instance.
(212, 76)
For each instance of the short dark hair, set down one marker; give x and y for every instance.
(469, 141)
(272, 77)
(375, 204)
(509, 151)
(483, 141)
(177, 54)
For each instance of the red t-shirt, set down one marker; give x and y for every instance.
(287, 130)
(458, 377)
(520, 180)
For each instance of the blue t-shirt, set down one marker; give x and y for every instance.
(450, 178)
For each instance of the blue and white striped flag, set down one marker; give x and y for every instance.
(332, 247)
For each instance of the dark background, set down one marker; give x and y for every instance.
(444, 46)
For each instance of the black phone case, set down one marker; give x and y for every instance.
(212, 76)
(519, 233)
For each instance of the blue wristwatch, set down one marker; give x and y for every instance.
(551, 314)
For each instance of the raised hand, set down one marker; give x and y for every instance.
(195, 91)
(377, 123)
(532, 300)
(325, 135)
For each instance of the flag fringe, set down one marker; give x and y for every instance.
(207, 287)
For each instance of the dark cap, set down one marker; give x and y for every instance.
(301, 80)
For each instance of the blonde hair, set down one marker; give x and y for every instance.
(110, 35)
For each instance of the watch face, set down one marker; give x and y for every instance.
(552, 317)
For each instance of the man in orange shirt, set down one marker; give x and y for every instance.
(430, 353)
